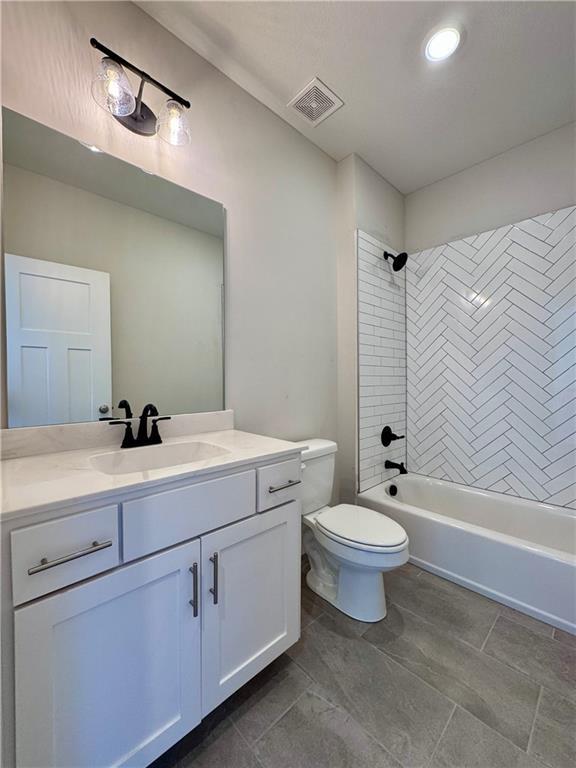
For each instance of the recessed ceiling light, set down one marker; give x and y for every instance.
(442, 44)
(91, 147)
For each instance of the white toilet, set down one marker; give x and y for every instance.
(349, 547)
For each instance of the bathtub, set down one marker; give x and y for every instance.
(518, 552)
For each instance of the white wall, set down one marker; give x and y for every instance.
(165, 286)
(530, 179)
(379, 206)
(279, 191)
(347, 332)
(365, 201)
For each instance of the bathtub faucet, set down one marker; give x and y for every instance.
(392, 465)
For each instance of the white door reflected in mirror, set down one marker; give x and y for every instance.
(59, 367)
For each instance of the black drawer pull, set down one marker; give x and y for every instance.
(289, 484)
(45, 564)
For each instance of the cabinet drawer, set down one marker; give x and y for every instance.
(278, 483)
(164, 519)
(48, 556)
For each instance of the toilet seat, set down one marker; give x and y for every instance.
(361, 528)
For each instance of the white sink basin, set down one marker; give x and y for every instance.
(154, 457)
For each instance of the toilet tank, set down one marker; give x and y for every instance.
(318, 463)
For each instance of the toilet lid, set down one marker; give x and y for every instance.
(360, 526)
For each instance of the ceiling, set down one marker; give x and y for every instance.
(513, 79)
(37, 148)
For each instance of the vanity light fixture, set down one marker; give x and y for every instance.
(112, 91)
(442, 44)
(172, 125)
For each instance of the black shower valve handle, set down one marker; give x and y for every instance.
(388, 436)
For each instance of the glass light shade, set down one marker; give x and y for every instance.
(172, 124)
(111, 89)
(442, 44)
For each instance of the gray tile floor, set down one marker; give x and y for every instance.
(449, 679)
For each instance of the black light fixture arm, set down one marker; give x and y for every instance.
(146, 78)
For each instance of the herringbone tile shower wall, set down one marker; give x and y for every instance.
(491, 359)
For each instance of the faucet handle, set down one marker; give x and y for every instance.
(155, 438)
(129, 440)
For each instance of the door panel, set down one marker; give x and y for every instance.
(255, 615)
(58, 342)
(108, 673)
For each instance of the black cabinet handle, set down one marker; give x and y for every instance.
(194, 601)
(214, 589)
(289, 484)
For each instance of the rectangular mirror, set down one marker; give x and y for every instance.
(113, 284)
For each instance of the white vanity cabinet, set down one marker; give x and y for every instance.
(250, 597)
(108, 673)
(114, 670)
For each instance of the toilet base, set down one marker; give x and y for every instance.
(350, 579)
(357, 593)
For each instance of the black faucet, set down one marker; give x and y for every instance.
(126, 406)
(142, 437)
(155, 438)
(129, 440)
(392, 465)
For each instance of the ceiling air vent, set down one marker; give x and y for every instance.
(316, 102)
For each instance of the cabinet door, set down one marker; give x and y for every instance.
(251, 599)
(108, 673)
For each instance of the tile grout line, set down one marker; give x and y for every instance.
(392, 660)
(300, 667)
(303, 629)
(396, 663)
(451, 635)
(501, 735)
(455, 705)
(454, 708)
(348, 714)
(518, 670)
(457, 639)
(490, 631)
(526, 626)
(277, 719)
(540, 692)
(250, 747)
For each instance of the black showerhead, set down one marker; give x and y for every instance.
(398, 262)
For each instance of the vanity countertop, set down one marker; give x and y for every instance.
(57, 480)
